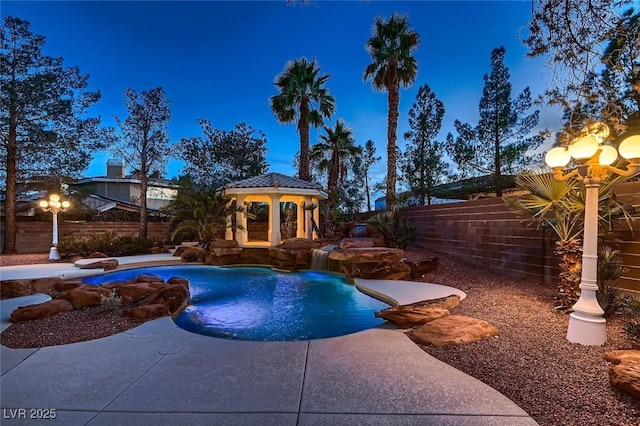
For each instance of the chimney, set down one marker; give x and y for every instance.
(115, 168)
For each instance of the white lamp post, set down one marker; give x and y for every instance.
(594, 158)
(54, 206)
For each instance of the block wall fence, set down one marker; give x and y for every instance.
(35, 237)
(487, 233)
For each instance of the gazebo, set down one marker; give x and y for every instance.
(273, 189)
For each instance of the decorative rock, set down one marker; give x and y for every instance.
(453, 330)
(418, 269)
(148, 312)
(134, 291)
(11, 288)
(97, 255)
(147, 278)
(41, 310)
(381, 271)
(179, 250)
(179, 281)
(107, 265)
(348, 243)
(225, 244)
(406, 317)
(174, 297)
(194, 254)
(448, 302)
(625, 375)
(85, 296)
(44, 285)
(296, 244)
(372, 254)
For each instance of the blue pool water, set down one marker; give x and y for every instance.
(253, 303)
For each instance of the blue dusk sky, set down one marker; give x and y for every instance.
(218, 60)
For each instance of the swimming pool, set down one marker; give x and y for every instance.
(254, 303)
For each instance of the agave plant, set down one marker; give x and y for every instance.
(559, 206)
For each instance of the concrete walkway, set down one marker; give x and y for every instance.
(159, 374)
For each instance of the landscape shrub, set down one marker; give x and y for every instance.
(609, 270)
(108, 243)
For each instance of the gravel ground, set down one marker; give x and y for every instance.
(531, 362)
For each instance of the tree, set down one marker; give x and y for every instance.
(302, 98)
(592, 49)
(500, 142)
(368, 160)
(423, 166)
(143, 141)
(224, 156)
(331, 155)
(391, 47)
(42, 116)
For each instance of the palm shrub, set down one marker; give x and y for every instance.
(609, 270)
(202, 213)
(558, 206)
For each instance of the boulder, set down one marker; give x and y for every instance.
(179, 281)
(371, 254)
(407, 317)
(448, 302)
(148, 312)
(97, 255)
(453, 330)
(420, 268)
(380, 270)
(625, 374)
(174, 297)
(85, 296)
(45, 285)
(348, 243)
(131, 292)
(223, 244)
(11, 288)
(41, 310)
(194, 254)
(179, 250)
(148, 278)
(296, 244)
(159, 250)
(107, 264)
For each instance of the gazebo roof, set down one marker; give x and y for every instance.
(274, 180)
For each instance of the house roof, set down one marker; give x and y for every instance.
(273, 180)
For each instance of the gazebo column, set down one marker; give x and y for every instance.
(300, 219)
(228, 233)
(241, 220)
(308, 215)
(274, 223)
(316, 218)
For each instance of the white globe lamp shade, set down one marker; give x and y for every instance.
(608, 155)
(630, 147)
(44, 204)
(65, 204)
(557, 157)
(54, 197)
(584, 148)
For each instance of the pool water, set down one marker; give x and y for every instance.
(254, 303)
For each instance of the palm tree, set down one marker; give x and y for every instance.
(391, 47)
(304, 98)
(559, 206)
(331, 155)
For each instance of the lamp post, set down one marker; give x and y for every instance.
(594, 158)
(54, 206)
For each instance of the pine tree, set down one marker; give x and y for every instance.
(42, 116)
(501, 140)
(423, 166)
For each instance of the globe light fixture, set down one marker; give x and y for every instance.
(55, 206)
(594, 159)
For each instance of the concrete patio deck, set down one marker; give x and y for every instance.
(159, 374)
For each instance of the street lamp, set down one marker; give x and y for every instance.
(594, 159)
(54, 205)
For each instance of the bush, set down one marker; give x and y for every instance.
(396, 230)
(108, 243)
(632, 329)
(610, 269)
